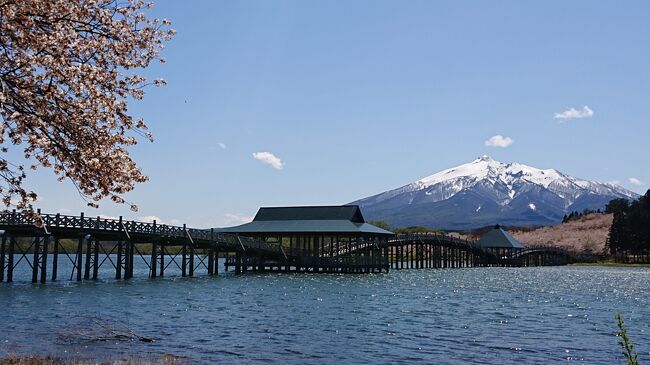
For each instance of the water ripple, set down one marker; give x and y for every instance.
(483, 316)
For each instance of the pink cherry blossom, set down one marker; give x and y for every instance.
(68, 70)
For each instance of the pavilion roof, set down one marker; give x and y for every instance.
(498, 238)
(330, 220)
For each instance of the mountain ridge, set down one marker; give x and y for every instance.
(486, 191)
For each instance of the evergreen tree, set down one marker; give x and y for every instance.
(630, 230)
(618, 232)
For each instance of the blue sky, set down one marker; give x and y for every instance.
(358, 97)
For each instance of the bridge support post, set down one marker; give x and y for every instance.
(427, 255)
(387, 258)
(154, 252)
(79, 260)
(118, 263)
(452, 258)
(443, 257)
(3, 249)
(55, 259)
(414, 252)
(408, 256)
(128, 259)
(36, 259)
(88, 253)
(153, 272)
(162, 259)
(211, 261)
(46, 241)
(184, 260)
(10, 260)
(425, 258)
(96, 245)
(191, 273)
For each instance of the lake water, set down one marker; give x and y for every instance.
(484, 315)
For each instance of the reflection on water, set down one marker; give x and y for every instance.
(483, 315)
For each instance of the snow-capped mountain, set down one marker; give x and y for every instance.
(485, 192)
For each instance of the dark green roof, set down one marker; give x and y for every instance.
(350, 213)
(498, 238)
(345, 219)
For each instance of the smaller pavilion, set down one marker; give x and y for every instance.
(499, 242)
(321, 238)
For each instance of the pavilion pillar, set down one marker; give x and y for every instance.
(238, 259)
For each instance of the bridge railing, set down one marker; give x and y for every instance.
(81, 222)
(435, 236)
(345, 248)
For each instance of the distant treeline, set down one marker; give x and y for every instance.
(404, 230)
(629, 235)
(573, 216)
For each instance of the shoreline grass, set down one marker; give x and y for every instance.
(166, 359)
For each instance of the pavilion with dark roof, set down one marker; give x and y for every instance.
(499, 242)
(321, 238)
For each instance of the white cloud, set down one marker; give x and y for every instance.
(235, 218)
(614, 182)
(222, 145)
(635, 181)
(499, 141)
(150, 219)
(174, 222)
(573, 113)
(102, 216)
(269, 159)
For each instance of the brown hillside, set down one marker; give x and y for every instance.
(587, 234)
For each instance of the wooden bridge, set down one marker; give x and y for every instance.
(85, 245)
(430, 250)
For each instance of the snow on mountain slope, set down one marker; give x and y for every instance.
(486, 191)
